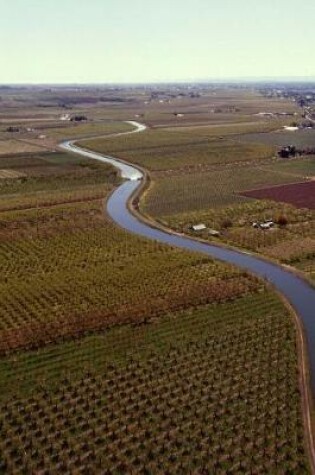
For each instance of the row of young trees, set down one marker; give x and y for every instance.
(227, 402)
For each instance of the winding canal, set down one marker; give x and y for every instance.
(297, 291)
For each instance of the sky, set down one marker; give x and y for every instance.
(125, 41)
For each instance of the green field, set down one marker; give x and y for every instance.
(292, 244)
(298, 168)
(118, 278)
(204, 390)
(215, 189)
(12, 146)
(229, 128)
(122, 355)
(300, 138)
(199, 178)
(167, 150)
(71, 131)
(53, 178)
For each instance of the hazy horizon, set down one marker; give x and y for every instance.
(141, 42)
(227, 80)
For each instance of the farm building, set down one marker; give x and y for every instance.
(198, 227)
(65, 117)
(265, 225)
(12, 129)
(79, 118)
(290, 128)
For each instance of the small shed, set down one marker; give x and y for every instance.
(267, 225)
(65, 117)
(214, 232)
(199, 227)
(290, 128)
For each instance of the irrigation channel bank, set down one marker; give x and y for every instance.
(295, 289)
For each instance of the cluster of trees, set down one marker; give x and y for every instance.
(78, 118)
(12, 129)
(292, 151)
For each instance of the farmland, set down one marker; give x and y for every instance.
(17, 146)
(118, 278)
(292, 243)
(46, 178)
(299, 168)
(162, 150)
(156, 106)
(199, 177)
(10, 174)
(37, 136)
(301, 195)
(121, 278)
(183, 192)
(71, 130)
(301, 138)
(171, 396)
(123, 355)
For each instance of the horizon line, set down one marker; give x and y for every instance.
(244, 79)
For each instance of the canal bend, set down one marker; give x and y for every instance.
(295, 289)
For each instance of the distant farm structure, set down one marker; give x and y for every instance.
(78, 118)
(290, 151)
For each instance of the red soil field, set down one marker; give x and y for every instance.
(301, 195)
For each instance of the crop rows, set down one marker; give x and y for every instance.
(198, 179)
(54, 197)
(304, 138)
(27, 369)
(180, 195)
(211, 189)
(81, 176)
(293, 243)
(135, 357)
(66, 271)
(51, 179)
(85, 130)
(165, 149)
(215, 404)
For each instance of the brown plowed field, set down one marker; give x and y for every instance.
(301, 195)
